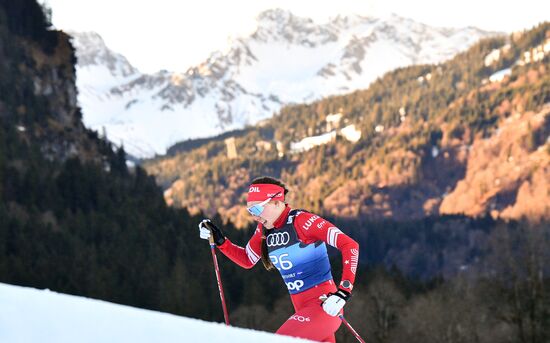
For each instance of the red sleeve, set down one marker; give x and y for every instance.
(312, 228)
(244, 257)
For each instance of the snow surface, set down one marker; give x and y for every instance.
(313, 141)
(499, 75)
(351, 133)
(30, 315)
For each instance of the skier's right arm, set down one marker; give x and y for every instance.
(244, 257)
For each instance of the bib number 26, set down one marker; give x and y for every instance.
(281, 262)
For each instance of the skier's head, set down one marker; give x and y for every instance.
(266, 202)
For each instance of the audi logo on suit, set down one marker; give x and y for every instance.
(277, 239)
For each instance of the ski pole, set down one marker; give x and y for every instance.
(351, 329)
(218, 277)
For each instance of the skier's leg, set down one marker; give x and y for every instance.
(312, 323)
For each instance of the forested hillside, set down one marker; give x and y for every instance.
(421, 130)
(73, 217)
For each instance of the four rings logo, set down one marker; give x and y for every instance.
(278, 239)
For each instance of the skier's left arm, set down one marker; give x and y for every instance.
(314, 228)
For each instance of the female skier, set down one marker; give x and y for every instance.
(293, 241)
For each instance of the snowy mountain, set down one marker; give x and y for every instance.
(32, 315)
(288, 59)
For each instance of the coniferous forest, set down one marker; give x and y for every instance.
(433, 122)
(76, 219)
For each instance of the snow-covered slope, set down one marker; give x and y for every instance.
(31, 315)
(288, 59)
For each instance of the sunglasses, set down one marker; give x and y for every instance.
(257, 209)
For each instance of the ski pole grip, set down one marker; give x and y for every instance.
(211, 238)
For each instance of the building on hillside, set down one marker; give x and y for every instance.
(263, 145)
(280, 148)
(231, 148)
(333, 121)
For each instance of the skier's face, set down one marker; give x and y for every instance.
(271, 211)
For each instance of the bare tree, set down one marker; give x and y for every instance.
(453, 313)
(374, 313)
(519, 261)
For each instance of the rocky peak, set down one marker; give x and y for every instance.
(282, 26)
(278, 18)
(91, 50)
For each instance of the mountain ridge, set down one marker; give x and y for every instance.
(254, 78)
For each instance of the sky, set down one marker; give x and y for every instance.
(175, 35)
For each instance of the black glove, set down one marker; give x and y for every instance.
(342, 294)
(217, 233)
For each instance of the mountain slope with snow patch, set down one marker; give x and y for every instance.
(288, 59)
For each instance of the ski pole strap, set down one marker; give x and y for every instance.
(351, 328)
